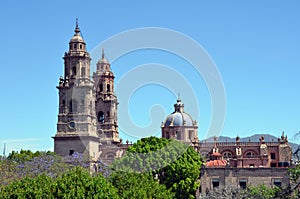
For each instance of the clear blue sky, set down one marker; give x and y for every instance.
(255, 45)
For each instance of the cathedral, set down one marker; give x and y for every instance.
(87, 115)
(88, 124)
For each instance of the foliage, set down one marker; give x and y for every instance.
(26, 155)
(78, 183)
(75, 183)
(175, 164)
(262, 192)
(38, 187)
(225, 192)
(136, 186)
(293, 190)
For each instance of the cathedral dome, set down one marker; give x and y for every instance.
(77, 39)
(179, 117)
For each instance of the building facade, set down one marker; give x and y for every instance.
(87, 115)
(238, 164)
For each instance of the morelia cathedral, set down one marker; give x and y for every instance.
(88, 124)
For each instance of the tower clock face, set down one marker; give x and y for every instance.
(72, 125)
(99, 132)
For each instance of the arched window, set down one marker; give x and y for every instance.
(110, 156)
(75, 46)
(108, 88)
(101, 87)
(250, 154)
(101, 117)
(83, 72)
(227, 154)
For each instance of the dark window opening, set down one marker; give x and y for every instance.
(215, 183)
(250, 154)
(74, 70)
(110, 156)
(108, 114)
(73, 106)
(178, 135)
(167, 135)
(80, 46)
(251, 165)
(71, 152)
(277, 183)
(75, 46)
(243, 184)
(101, 117)
(101, 87)
(83, 72)
(108, 88)
(227, 154)
(63, 103)
(273, 165)
(273, 156)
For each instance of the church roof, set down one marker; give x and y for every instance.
(216, 163)
(77, 38)
(179, 117)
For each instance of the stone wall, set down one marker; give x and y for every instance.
(238, 177)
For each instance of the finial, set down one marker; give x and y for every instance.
(178, 98)
(77, 28)
(102, 53)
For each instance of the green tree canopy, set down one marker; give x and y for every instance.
(78, 183)
(175, 164)
(38, 187)
(136, 186)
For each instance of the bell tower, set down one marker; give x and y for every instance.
(76, 126)
(106, 103)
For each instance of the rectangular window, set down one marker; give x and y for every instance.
(277, 182)
(215, 183)
(167, 135)
(273, 156)
(71, 152)
(243, 184)
(273, 164)
(178, 135)
(191, 135)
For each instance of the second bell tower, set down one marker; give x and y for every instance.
(106, 102)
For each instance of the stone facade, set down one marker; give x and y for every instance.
(242, 177)
(87, 115)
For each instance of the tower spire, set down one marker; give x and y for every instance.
(77, 30)
(102, 53)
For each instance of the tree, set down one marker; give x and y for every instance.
(261, 191)
(26, 155)
(293, 191)
(175, 164)
(136, 186)
(38, 187)
(78, 183)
